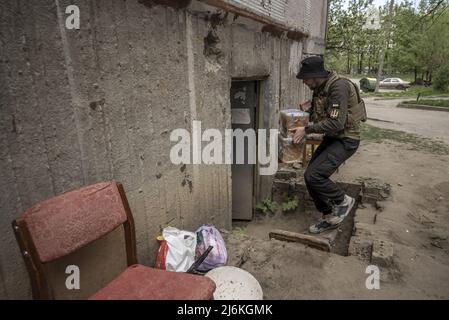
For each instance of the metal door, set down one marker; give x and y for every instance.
(244, 100)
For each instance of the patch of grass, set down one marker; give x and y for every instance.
(413, 91)
(436, 103)
(375, 134)
(290, 204)
(268, 206)
(239, 230)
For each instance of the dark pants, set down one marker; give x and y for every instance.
(330, 154)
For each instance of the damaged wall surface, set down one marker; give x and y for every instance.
(99, 103)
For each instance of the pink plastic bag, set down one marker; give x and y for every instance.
(208, 235)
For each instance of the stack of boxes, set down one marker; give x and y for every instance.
(290, 119)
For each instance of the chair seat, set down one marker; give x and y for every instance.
(139, 282)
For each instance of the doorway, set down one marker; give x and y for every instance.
(244, 110)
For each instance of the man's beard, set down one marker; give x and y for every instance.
(312, 86)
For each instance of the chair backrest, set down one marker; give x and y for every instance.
(63, 224)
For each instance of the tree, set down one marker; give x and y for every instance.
(385, 46)
(403, 52)
(346, 33)
(432, 46)
(418, 39)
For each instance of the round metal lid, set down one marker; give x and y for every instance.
(235, 284)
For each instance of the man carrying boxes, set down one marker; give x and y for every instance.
(336, 111)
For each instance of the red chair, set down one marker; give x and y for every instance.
(61, 225)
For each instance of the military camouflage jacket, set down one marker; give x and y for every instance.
(330, 111)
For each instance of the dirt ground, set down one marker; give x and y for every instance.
(415, 218)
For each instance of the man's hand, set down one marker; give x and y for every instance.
(306, 105)
(299, 134)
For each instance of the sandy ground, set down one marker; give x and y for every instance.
(415, 218)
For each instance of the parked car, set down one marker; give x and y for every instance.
(394, 83)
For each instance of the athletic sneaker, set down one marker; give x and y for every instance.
(322, 226)
(341, 211)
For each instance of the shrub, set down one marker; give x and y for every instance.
(268, 206)
(441, 78)
(290, 204)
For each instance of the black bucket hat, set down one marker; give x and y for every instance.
(312, 67)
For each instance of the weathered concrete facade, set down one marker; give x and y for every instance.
(99, 103)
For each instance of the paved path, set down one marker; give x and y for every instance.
(430, 124)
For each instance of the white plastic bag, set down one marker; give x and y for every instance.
(181, 249)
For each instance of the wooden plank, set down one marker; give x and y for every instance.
(312, 241)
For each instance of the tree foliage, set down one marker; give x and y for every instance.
(442, 78)
(418, 43)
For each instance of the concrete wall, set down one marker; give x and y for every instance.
(315, 44)
(99, 103)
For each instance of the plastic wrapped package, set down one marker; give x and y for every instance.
(290, 152)
(292, 118)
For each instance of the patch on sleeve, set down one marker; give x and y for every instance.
(334, 112)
